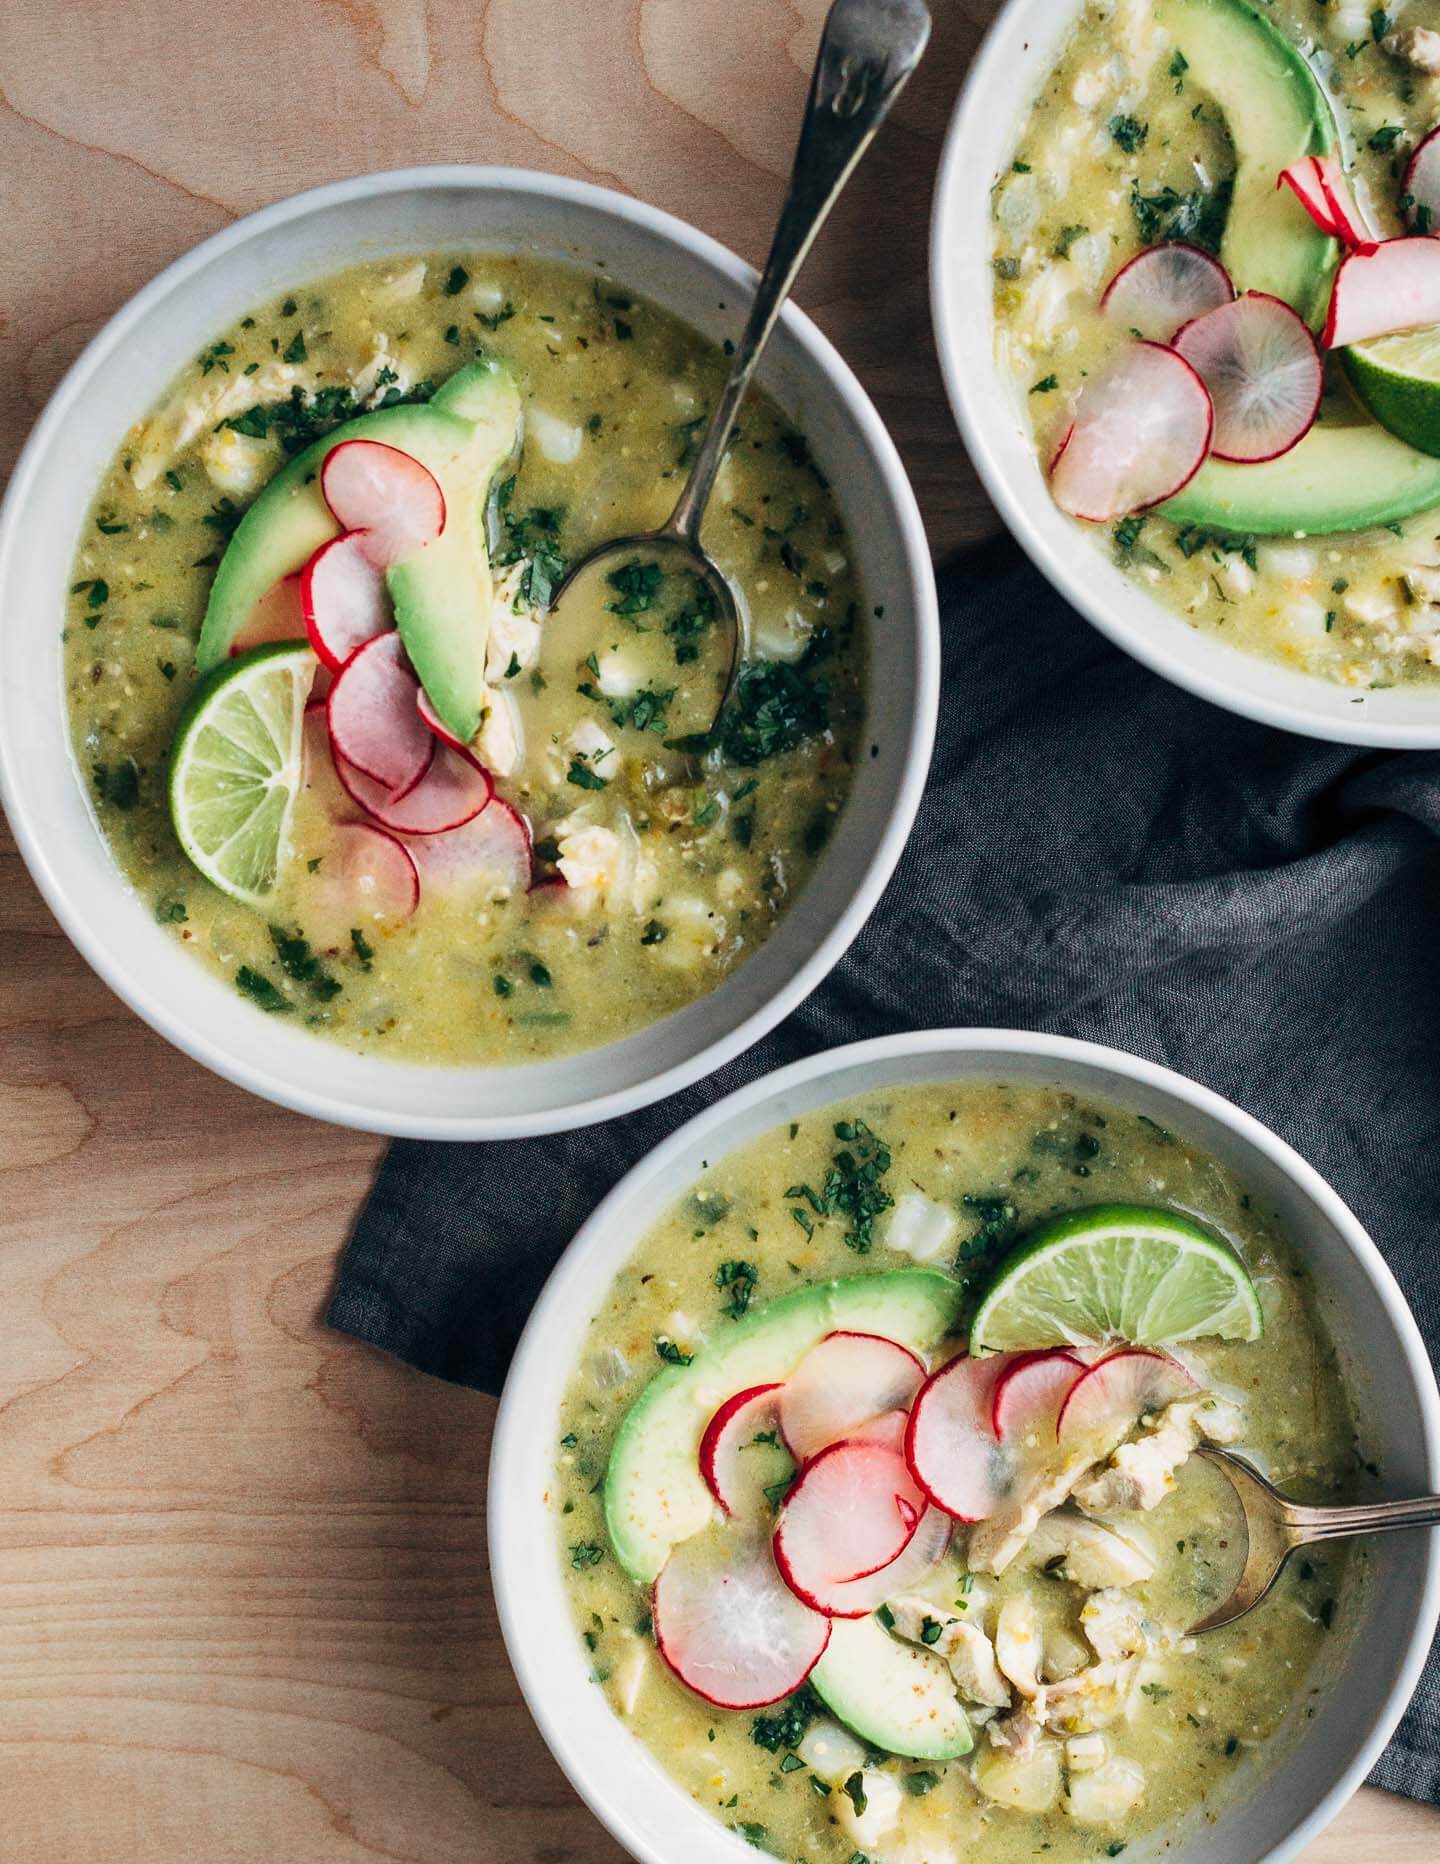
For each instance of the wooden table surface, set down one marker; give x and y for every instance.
(244, 1610)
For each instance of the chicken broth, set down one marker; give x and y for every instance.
(1133, 1742)
(663, 857)
(1127, 147)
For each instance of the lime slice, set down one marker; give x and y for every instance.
(1116, 1271)
(1398, 379)
(235, 767)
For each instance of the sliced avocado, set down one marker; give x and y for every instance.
(894, 1695)
(1276, 113)
(654, 1493)
(442, 594)
(1335, 479)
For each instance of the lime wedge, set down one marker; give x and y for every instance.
(1398, 379)
(1116, 1271)
(235, 767)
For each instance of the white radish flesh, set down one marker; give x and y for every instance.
(1420, 190)
(1140, 433)
(1164, 287)
(857, 1598)
(951, 1446)
(852, 1512)
(1323, 191)
(842, 1382)
(343, 599)
(394, 501)
(1029, 1393)
(1384, 289)
(1111, 1397)
(733, 1463)
(1264, 373)
(727, 1624)
(372, 717)
(452, 791)
(365, 874)
(493, 849)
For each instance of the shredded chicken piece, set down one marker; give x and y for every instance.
(1016, 1734)
(964, 1647)
(1091, 1700)
(1142, 1473)
(1115, 1624)
(1417, 47)
(1088, 1554)
(1001, 1538)
(1018, 1646)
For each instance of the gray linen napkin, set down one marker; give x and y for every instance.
(1098, 855)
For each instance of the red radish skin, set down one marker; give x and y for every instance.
(493, 848)
(277, 616)
(1264, 373)
(1030, 1391)
(373, 721)
(343, 598)
(1321, 186)
(857, 1598)
(1140, 434)
(1165, 286)
(729, 1626)
(451, 793)
(1420, 190)
(844, 1381)
(852, 1510)
(734, 1427)
(1378, 292)
(393, 501)
(1109, 1398)
(436, 724)
(950, 1446)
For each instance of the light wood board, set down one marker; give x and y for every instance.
(244, 1611)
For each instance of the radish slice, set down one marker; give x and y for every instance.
(321, 779)
(493, 847)
(1029, 1393)
(1321, 186)
(727, 1624)
(435, 723)
(373, 720)
(1420, 190)
(451, 792)
(857, 1598)
(365, 872)
(1164, 287)
(732, 1476)
(343, 598)
(888, 1429)
(1109, 1398)
(1264, 373)
(276, 616)
(853, 1510)
(393, 501)
(1392, 286)
(1141, 431)
(953, 1453)
(841, 1383)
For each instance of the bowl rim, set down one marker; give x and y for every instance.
(913, 758)
(512, 1555)
(1069, 561)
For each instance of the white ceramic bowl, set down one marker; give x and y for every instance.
(1015, 59)
(123, 372)
(1317, 1763)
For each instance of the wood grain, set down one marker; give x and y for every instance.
(244, 1608)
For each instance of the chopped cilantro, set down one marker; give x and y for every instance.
(1129, 132)
(1168, 215)
(1386, 138)
(636, 585)
(785, 1726)
(1046, 385)
(492, 320)
(921, 1783)
(654, 933)
(583, 777)
(295, 348)
(852, 1187)
(117, 784)
(740, 1278)
(502, 985)
(458, 279)
(585, 1553)
(363, 949)
(298, 961)
(672, 1354)
(854, 1790)
(170, 909)
(777, 706)
(260, 990)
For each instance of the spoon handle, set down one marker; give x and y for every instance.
(867, 51)
(1312, 1524)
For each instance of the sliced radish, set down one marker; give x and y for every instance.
(321, 779)
(852, 1511)
(888, 1429)
(841, 1383)
(1321, 186)
(493, 848)
(277, 616)
(366, 872)
(1164, 287)
(436, 724)
(729, 1473)
(1264, 373)
(1029, 1393)
(393, 501)
(452, 791)
(857, 1598)
(1141, 431)
(373, 720)
(952, 1450)
(1382, 289)
(1420, 190)
(342, 595)
(1109, 1398)
(729, 1626)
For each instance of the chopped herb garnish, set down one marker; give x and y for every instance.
(492, 320)
(921, 1783)
(295, 348)
(1167, 215)
(583, 777)
(503, 986)
(740, 1279)
(363, 949)
(852, 1187)
(260, 990)
(654, 933)
(855, 1792)
(585, 1553)
(930, 1630)
(785, 1726)
(777, 706)
(298, 961)
(637, 585)
(1129, 132)
(109, 524)
(672, 1354)
(1386, 138)
(170, 909)
(117, 784)
(1046, 385)
(458, 279)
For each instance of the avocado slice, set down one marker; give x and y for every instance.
(894, 1695)
(1335, 479)
(654, 1493)
(1276, 113)
(465, 435)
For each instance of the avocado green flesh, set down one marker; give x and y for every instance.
(443, 593)
(1335, 479)
(894, 1695)
(1276, 113)
(655, 1496)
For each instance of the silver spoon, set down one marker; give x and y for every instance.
(1275, 1526)
(867, 51)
